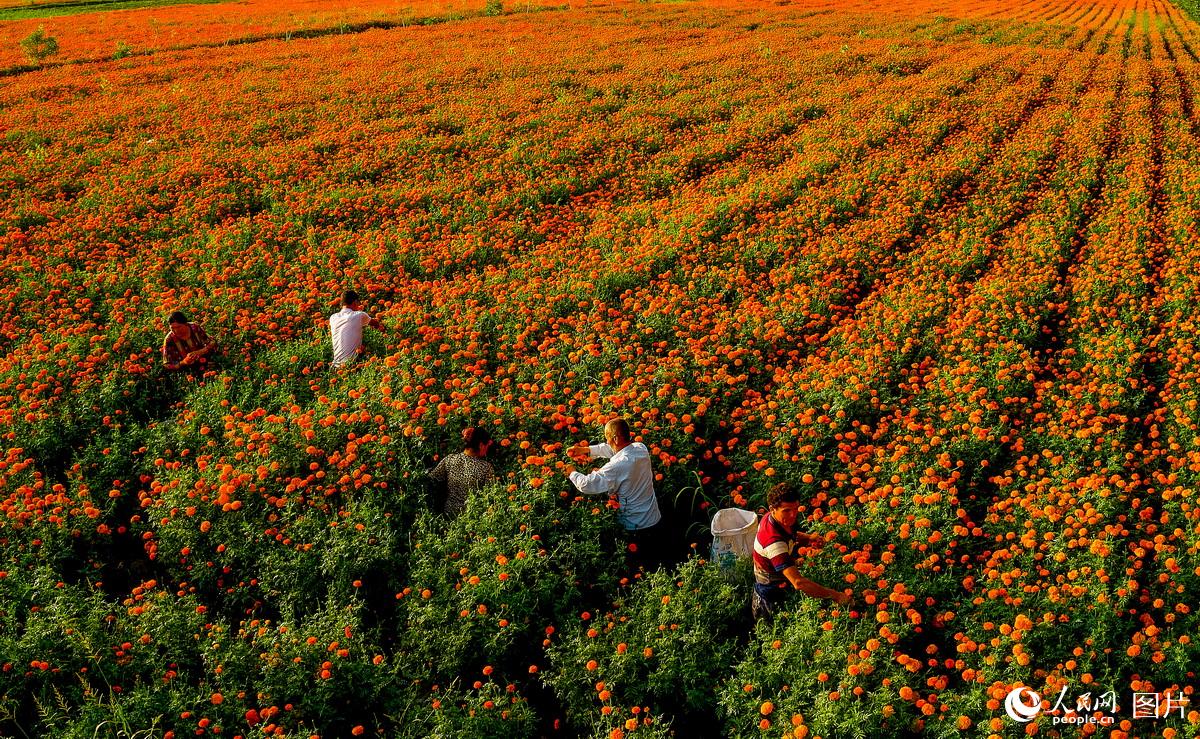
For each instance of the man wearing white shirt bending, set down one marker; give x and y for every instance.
(346, 329)
(628, 477)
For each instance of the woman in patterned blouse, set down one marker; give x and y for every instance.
(466, 471)
(185, 345)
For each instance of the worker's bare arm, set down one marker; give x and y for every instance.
(808, 587)
(810, 540)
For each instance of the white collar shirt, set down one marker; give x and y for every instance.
(346, 332)
(629, 477)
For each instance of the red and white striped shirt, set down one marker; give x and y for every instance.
(774, 551)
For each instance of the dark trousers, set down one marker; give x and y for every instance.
(764, 599)
(644, 547)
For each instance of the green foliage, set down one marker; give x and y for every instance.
(831, 668)
(492, 581)
(665, 647)
(486, 709)
(38, 47)
(56, 8)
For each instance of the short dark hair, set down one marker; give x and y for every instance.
(349, 297)
(475, 437)
(782, 493)
(619, 428)
(177, 317)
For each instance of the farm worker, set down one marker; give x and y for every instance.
(628, 477)
(461, 473)
(346, 329)
(775, 571)
(185, 345)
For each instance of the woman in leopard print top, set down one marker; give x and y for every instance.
(461, 473)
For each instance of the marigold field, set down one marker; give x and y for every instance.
(932, 261)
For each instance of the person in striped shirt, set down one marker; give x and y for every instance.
(185, 346)
(775, 570)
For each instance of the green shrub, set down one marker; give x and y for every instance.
(836, 672)
(663, 650)
(39, 47)
(491, 582)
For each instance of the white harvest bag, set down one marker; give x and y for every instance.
(733, 531)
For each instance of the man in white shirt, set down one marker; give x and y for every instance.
(629, 478)
(346, 329)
